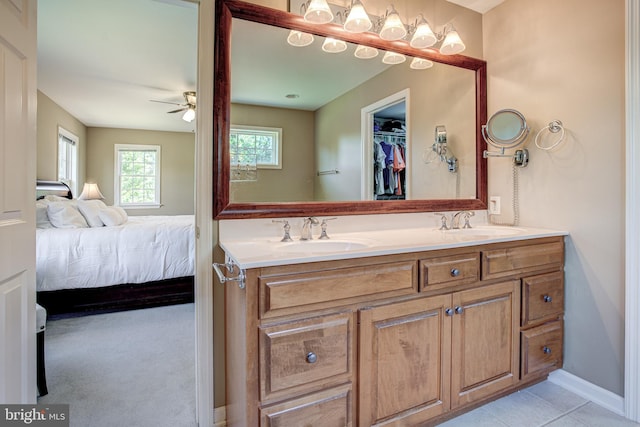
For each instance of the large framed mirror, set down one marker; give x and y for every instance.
(332, 172)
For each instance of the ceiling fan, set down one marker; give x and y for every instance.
(189, 107)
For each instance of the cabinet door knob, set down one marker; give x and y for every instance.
(546, 350)
(455, 272)
(448, 312)
(459, 310)
(547, 298)
(312, 357)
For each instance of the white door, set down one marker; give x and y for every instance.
(18, 49)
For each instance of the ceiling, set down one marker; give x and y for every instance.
(103, 61)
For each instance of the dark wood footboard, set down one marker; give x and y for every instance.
(80, 302)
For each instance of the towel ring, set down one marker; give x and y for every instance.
(553, 127)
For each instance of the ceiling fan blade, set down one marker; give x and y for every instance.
(177, 111)
(166, 102)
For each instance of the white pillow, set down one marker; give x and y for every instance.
(90, 209)
(42, 218)
(113, 215)
(64, 215)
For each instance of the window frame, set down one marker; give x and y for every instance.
(259, 129)
(71, 159)
(119, 148)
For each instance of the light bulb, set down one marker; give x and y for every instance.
(423, 37)
(318, 12)
(393, 58)
(452, 44)
(332, 45)
(420, 64)
(299, 39)
(358, 20)
(393, 28)
(189, 115)
(365, 52)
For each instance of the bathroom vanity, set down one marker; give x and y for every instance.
(382, 333)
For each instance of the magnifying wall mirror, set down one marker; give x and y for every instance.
(507, 129)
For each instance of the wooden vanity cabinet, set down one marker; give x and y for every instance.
(404, 340)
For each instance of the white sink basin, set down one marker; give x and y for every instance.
(320, 246)
(490, 231)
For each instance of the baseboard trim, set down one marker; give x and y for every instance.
(589, 391)
(220, 416)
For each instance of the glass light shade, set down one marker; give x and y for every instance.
(299, 39)
(90, 192)
(393, 58)
(318, 12)
(393, 28)
(452, 44)
(332, 45)
(365, 52)
(358, 20)
(423, 37)
(420, 64)
(189, 115)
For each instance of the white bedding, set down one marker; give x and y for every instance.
(144, 249)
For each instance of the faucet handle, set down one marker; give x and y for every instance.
(443, 220)
(323, 226)
(467, 215)
(287, 228)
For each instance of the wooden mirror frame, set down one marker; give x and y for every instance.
(222, 206)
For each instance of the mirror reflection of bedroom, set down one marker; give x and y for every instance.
(115, 210)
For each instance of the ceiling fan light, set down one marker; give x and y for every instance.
(393, 28)
(393, 58)
(420, 64)
(189, 115)
(358, 20)
(332, 45)
(366, 52)
(299, 39)
(318, 12)
(423, 36)
(452, 43)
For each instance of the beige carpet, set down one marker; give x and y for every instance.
(133, 368)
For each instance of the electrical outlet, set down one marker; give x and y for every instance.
(494, 205)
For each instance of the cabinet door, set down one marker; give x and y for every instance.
(485, 346)
(404, 362)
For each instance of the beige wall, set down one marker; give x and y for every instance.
(565, 60)
(177, 166)
(294, 182)
(50, 116)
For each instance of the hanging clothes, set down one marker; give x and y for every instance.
(388, 175)
(398, 166)
(379, 165)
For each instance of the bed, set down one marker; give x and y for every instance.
(145, 261)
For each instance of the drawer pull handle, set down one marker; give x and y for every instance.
(547, 298)
(448, 312)
(546, 350)
(459, 310)
(312, 357)
(455, 272)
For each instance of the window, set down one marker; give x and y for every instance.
(259, 146)
(137, 183)
(68, 159)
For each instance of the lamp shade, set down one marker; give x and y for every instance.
(365, 52)
(358, 20)
(393, 58)
(332, 45)
(299, 39)
(393, 28)
(420, 64)
(452, 43)
(90, 192)
(189, 115)
(423, 36)
(318, 12)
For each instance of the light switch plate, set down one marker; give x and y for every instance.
(494, 205)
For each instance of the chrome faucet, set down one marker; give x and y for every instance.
(307, 225)
(455, 220)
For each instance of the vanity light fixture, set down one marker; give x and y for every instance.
(365, 52)
(190, 114)
(393, 58)
(452, 43)
(358, 20)
(299, 39)
(420, 64)
(423, 36)
(318, 12)
(332, 45)
(393, 28)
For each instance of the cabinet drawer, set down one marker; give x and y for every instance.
(521, 259)
(302, 292)
(302, 355)
(542, 298)
(449, 270)
(541, 349)
(330, 408)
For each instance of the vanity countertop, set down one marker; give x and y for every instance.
(270, 251)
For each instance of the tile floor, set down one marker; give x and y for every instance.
(544, 404)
